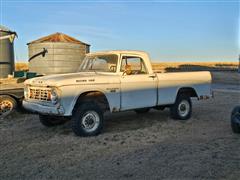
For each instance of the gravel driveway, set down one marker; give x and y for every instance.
(149, 146)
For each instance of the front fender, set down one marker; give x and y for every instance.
(70, 96)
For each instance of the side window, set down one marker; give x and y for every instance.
(133, 65)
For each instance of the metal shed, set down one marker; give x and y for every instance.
(6, 51)
(56, 53)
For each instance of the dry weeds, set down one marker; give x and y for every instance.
(21, 66)
(171, 66)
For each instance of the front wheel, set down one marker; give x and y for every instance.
(182, 108)
(235, 120)
(87, 120)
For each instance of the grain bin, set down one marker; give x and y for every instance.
(6, 51)
(56, 53)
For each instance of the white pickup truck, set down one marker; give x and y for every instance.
(112, 81)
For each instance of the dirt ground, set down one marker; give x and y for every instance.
(149, 146)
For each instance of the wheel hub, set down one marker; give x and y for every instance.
(90, 121)
(5, 107)
(184, 108)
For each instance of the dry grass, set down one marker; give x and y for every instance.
(21, 66)
(194, 66)
(172, 66)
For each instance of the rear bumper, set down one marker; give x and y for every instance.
(43, 109)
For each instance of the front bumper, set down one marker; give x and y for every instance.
(43, 109)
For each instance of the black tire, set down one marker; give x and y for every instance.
(94, 114)
(142, 110)
(50, 121)
(183, 101)
(7, 105)
(235, 120)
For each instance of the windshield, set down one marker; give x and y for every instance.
(101, 63)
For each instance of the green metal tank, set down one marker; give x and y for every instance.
(6, 51)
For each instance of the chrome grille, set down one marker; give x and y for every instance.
(42, 94)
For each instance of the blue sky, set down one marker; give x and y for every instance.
(169, 31)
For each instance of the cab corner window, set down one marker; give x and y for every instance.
(133, 65)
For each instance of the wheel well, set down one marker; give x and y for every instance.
(93, 96)
(188, 91)
(18, 100)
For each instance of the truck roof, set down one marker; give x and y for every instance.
(141, 53)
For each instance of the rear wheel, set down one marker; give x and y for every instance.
(182, 108)
(87, 120)
(50, 121)
(142, 110)
(235, 120)
(7, 105)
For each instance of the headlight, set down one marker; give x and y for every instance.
(54, 96)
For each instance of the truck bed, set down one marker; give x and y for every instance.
(12, 87)
(170, 83)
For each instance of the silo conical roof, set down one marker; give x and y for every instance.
(57, 37)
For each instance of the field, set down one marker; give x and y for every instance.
(195, 66)
(174, 66)
(148, 146)
(21, 66)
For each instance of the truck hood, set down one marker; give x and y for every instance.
(73, 79)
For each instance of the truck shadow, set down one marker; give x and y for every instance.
(129, 120)
(114, 122)
(122, 121)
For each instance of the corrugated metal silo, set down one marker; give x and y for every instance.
(63, 54)
(6, 51)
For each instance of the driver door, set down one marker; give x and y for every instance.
(138, 87)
